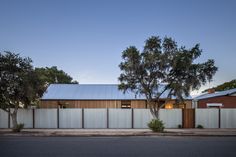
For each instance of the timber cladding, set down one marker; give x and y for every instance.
(188, 118)
(89, 103)
(98, 104)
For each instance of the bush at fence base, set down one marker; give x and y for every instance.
(200, 126)
(180, 126)
(156, 125)
(18, 127)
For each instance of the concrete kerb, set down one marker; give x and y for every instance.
(118, 132)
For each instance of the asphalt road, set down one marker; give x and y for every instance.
(117, 146)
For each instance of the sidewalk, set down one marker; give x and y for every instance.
(119, 132)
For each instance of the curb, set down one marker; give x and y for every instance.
(58, 134)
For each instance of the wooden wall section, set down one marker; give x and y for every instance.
(81, 104)
(138, 104)
(95, 104)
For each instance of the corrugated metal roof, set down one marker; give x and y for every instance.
(90, 92)
(216, 94)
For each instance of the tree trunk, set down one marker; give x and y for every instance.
(154, 108)
(14, 118)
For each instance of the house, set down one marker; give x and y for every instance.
(223, 99)
(97, 96)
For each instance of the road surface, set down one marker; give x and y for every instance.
(117, 146)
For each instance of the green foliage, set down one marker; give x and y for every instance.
(19, 83)
(156, 125)
(224, 86)
(18, 127)
(180, 126)
(200, 126)
(53, 75)
(163, 62)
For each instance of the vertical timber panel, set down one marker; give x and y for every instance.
(188, 118)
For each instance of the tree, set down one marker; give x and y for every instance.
(224, 86)
(20, 85)
(50, 75)
(53, 75)
(163, 69)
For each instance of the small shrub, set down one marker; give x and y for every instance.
(179, 126)
(200, 126)
(156, 125)
(18, 128)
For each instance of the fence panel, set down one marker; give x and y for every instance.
(95, 118)
(70, 118)
(141, 118)
(208, 118)
(3, 119)
(120, 118)
(171, 117)
(45, 118)
(228, 118)
(188, 118)
(24, 116)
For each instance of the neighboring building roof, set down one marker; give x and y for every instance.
(90, 92)
(216, 94)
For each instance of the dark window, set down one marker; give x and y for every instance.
(125, 104)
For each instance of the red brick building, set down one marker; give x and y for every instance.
(223, 99)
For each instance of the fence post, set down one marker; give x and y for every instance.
(107, 118)
(219, 117)
(58, 114)
(82, 118)
(33, 118)
(182, 117)
(132, 118)
(9, 118)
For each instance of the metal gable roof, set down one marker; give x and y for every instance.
(222, 93)
(89, 92)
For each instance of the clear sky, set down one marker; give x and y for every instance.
(86, 38)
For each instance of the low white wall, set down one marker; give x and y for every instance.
(70, 118)
(208, 118)
(141, 118)
(120, 118)
(95, 118)
(171, 117)
(24, 116)
(228, 118)
(3, 119)
(45, 118)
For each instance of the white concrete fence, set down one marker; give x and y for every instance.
(215, 118)
(115, 118)
(90, 118)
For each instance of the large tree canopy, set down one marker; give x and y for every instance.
(51, 75)
(22, 85)
(19, 83)
(160, 63)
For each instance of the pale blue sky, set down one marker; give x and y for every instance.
(86, 38)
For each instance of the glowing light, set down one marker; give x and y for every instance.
(168, 106)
